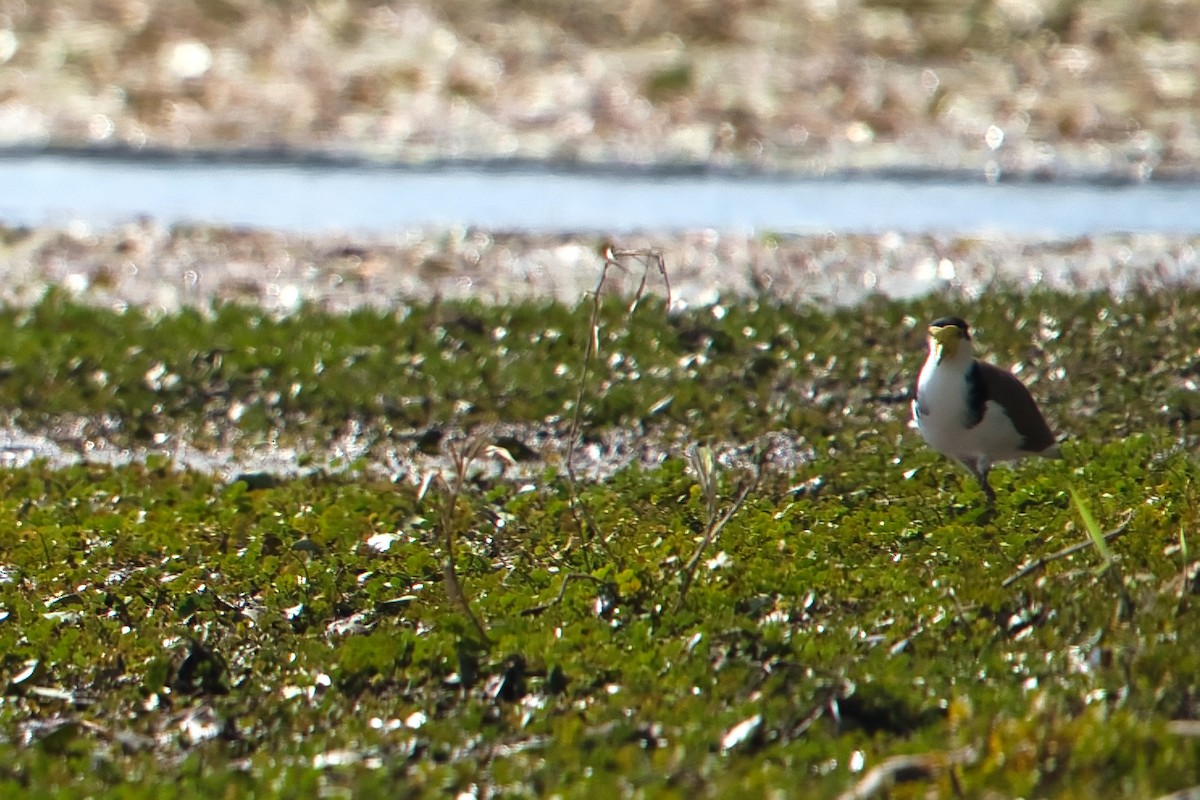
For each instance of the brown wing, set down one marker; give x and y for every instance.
(1007, 390)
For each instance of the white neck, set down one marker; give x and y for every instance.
(963, 356)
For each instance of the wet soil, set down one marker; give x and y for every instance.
(147, 265)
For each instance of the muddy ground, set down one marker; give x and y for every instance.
(144, 264)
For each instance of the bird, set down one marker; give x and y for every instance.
(974, 412)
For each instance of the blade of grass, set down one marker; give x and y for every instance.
(1125, 607)
(1093, 529)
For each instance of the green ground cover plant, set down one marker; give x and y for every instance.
(706, 626)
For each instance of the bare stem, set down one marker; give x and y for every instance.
(1041, 562)
(562, 591)
(463, 456)
(704, 465)
(612, 260)
(897, 769)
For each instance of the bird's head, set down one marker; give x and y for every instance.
(946, 336)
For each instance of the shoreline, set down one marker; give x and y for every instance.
(147, 265)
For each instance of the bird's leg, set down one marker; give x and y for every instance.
(982, 468)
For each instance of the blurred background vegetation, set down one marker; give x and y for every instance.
(1034, 85)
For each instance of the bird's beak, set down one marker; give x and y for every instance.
(947, 338)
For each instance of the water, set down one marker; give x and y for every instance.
(315, 197)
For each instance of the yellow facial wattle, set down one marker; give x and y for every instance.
(947, 338)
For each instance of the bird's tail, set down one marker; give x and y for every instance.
(1054, 450)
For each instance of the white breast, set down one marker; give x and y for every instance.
(944, 415)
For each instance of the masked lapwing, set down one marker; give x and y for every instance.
(975, 412)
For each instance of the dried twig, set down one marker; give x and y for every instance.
(1191, 793)
(612, 260)
(1184, 727)
(462, 456)
(562, 590)
(704, 465)
(1042, 561)
(1185, 574)
(898, 769)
